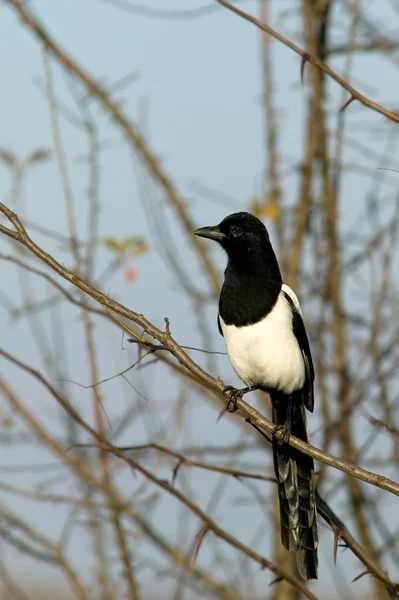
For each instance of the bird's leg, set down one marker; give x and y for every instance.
(235, 395)
(284, 430)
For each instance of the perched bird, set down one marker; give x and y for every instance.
(261, 321)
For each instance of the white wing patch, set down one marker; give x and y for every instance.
(286, 288)
(267, 353)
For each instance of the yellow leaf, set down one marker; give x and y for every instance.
(271, 211)
(8, 157)
(139, 249)
(132, 246)
(114, 244)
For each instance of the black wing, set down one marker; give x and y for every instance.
(300, 334)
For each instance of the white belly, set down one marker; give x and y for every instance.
(267, 354)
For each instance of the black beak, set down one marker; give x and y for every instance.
(212, 233)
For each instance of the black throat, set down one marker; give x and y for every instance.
(251, 286)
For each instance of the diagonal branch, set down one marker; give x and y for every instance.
(250, 414)
(341, 531)
(306, 57)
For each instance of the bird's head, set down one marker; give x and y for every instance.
(239, 232)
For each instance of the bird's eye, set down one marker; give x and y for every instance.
(236, 231)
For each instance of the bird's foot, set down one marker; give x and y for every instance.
(235, 395)
(283, 432)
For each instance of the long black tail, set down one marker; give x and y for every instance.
(296, 488)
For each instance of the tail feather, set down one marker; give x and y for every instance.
(296, 489)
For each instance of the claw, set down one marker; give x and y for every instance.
(284, 433)
(233, 397)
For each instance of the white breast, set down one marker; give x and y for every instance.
(267, 354)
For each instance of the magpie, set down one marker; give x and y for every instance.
(261, 321)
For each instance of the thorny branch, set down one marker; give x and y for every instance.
(248, 412)
(208, 524)
(306, 57)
